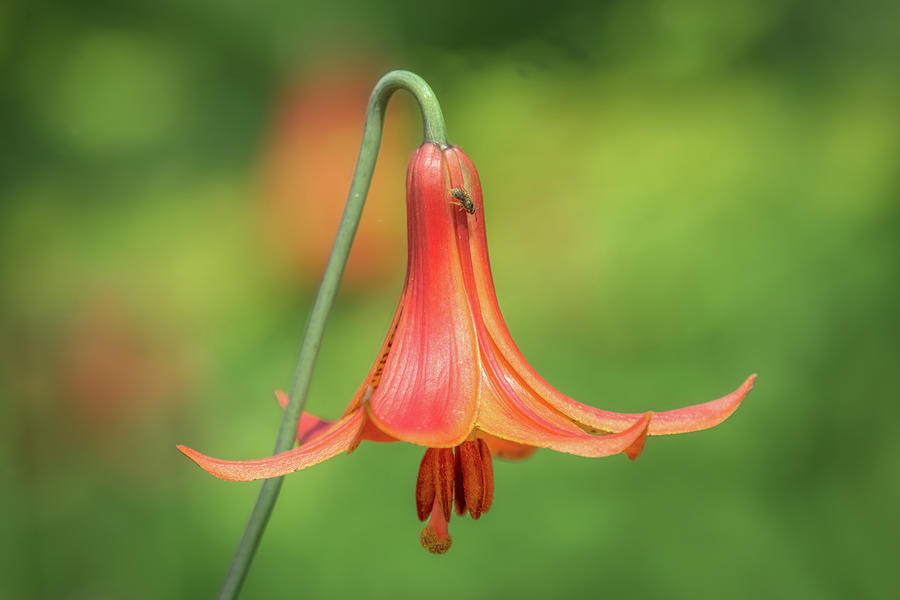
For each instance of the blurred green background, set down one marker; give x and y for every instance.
(678, 194)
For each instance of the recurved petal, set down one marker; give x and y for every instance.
(327, 445)
(505, 449)
(682, 420)
(503, 418)
(310, 426)
(691, 418)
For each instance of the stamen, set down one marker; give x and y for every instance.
(472, 475)
(459, 492)
(434, 484)
(474, 478)
(487, 466)
(425, 484)
(465, 474)
(444, 481)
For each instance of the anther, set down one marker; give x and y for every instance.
(474, 478)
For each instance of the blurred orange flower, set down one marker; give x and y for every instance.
(306, 169)
(449, 376)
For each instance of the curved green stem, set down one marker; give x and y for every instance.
(435, 131)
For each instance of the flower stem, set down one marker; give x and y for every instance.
(435, 131)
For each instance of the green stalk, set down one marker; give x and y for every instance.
(435, 131)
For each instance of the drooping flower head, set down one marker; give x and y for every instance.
(450, 378)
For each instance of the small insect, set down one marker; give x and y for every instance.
(464, 200)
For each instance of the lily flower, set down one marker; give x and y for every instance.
(450, 378)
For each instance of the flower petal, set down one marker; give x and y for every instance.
(498, 380)
(682, 420)
(505, 449)
(692, 418)
(327, 445)
(310, 426)
(428, 393)
(509, 419)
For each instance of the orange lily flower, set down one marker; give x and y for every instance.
(449, 376)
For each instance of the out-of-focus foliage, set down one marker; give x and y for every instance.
(678, 194)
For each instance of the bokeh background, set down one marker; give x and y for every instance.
(677, 194)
